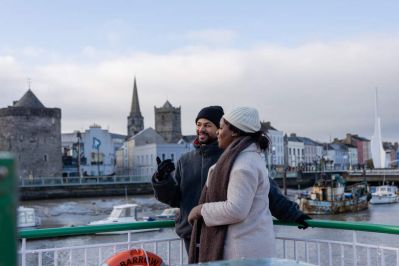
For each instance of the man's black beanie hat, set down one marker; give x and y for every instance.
(212, 113)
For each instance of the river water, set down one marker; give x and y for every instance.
(75, 212)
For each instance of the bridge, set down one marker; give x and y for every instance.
(374, 176)
(307, 178)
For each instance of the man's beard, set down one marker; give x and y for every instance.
(208, 140)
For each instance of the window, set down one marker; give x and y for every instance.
(172, 157)
(163, 156)
(97, 158)
(45, 158)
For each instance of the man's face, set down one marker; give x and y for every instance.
(206, 131)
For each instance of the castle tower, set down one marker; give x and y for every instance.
(135, 121)
(168, 122)
(32, 133)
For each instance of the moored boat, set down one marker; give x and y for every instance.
(385, 194)
(168, 214)
(330, 195)
(122, 214)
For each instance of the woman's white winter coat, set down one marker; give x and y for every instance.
(246, 211)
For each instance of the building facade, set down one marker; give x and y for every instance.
(295, 152)
(32, 133)
(363, 148)
(144, 161)
(138, 154)
(353, 157)
(96, 149)
(338, 154)
(313, 152)
(275, 154)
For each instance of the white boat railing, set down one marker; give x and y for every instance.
(304, 248)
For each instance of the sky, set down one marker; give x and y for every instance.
(309, 67)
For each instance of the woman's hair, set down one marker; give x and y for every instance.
(259, 137)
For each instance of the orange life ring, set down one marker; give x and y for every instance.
(134, 257)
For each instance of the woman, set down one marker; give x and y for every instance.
(232, 219)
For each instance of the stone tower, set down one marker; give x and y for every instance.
(168, 122)
(135, 121)
(32, 133)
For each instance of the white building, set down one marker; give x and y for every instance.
(353, 157)
(144, 162)
(295, 151)
(313, 152)
(275, 155)
(96, 148)
(138, 154)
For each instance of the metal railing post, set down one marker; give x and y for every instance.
(8, 210)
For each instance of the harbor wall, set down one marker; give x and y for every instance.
(83, 191)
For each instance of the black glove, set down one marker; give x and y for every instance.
(165, 167)
(301, 220)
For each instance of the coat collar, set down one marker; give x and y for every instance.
(208, 149)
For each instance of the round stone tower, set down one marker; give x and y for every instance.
(32, 133)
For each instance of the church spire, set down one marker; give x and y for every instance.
(135, 107)
(135, 121)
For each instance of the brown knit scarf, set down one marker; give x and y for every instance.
(211, 239)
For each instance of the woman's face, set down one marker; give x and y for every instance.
(225, 135)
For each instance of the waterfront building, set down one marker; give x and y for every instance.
(338, 154)
(135, 121)
(137, 156)
(294, 151)
(353, 157)
(391, 150)
(126, 153)
(188, 141)
(92, 152)
(144, 160)
(363, 148)
(275, 154)
(397, 156)
(313, 152)
(32, 132)
(168, 122)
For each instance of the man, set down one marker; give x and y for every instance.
(184, 189)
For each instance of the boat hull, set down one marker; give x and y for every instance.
(309, 206)
(376, 199)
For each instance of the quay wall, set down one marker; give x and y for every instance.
(83, 191)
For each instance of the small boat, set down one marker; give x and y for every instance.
(123, 214)
(168, 214)
(385, 194)
(330, 195)
(27, 217)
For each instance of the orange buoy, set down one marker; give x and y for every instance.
(134, 257)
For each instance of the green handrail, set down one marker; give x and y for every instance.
(354, 226)
(92, 229)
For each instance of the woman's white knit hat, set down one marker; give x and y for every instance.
(244, 118)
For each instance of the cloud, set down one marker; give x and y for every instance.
(318, 89)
